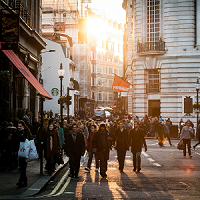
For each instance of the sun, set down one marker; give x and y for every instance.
(96, 27)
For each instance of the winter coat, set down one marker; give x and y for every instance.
(89, 141)
(121, 139)
(61, 137)
(51, 143)
(76, 148)
(137, 140)
(98, 145)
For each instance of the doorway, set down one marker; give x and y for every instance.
(154, 108)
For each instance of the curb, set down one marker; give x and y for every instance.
(38, 185)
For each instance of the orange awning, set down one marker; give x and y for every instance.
(26, 73)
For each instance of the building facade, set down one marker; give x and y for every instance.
(20, 93)
(106, 41)
(60, 22)
(165, 57)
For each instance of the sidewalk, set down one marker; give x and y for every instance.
(36, 182)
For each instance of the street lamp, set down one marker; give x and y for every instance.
(61, 73)
(197, 86)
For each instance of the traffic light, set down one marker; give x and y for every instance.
(69, 98)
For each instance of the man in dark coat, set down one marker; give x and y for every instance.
(137, 141)
(75, 148)
(101, 144)
(121, 139)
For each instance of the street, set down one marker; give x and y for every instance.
(165, 174)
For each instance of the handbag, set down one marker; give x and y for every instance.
(180, 145)
(33, 155)
(24, 149)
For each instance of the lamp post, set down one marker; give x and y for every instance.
(61, 73)
(197, 86)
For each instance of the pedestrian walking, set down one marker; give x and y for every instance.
(75, 148)
(101, 144)
(90, 149)
(185, 136)
(198, 136)
(167, 127)
(51, 147)
(121, 140)
(21, 135)
(61, 136)
(137, 141)
(161, 132)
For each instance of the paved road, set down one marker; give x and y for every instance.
(165, 174)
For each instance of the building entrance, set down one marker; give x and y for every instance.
(154, 108)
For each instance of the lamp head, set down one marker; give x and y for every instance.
(61, 71)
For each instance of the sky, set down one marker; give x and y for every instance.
(111, 7)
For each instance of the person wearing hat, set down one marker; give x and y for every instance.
(101, 145)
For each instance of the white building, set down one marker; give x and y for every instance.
(165, 56)
(49, 74)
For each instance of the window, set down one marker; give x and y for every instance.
(110, 83)
(92, 81)
(105, 57)
(104, 81)
(105, 96)
(153, 21)
(99, 56)
(154, 81)
(116, 59)
(110, 96)
(121, 72)
(116, 71)
(99, 96)
(110, 58)
(99, 69)
(105, 70)
(110, 70)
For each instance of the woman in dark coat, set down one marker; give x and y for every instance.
(51, 147)
(137, 141)
(21, 135)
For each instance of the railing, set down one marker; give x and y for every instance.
(150, 46)
(153, 88)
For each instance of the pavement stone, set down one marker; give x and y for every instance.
(36, 182)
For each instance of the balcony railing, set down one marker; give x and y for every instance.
(153, 88)
(150, 46)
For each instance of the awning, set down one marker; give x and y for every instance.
(26, 73)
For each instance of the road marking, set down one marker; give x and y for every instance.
(197, 153)
(156, 164)
(63, 188)
(150, 159)
(59, 183)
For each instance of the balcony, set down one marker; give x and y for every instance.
(151, 48)
(153, 88)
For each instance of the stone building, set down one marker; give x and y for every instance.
(165, 57)
(21, 55)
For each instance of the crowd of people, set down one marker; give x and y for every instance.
(79, 135)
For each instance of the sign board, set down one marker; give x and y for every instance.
(54, 91)
(9, 28)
